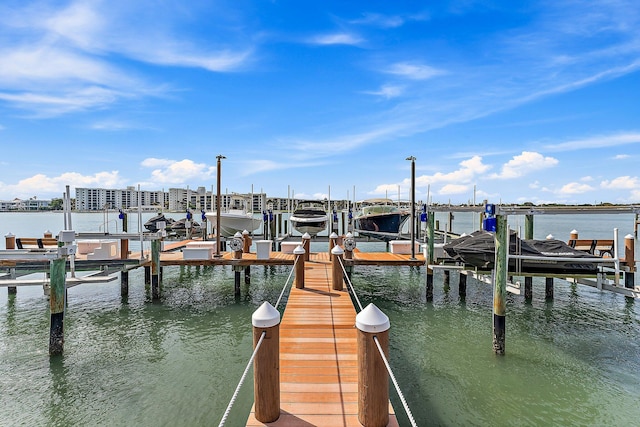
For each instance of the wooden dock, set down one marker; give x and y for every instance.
(318, 356)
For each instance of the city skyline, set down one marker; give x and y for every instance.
(534, 102)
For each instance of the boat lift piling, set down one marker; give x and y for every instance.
(500, 284)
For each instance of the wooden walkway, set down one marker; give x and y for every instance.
(318, 356)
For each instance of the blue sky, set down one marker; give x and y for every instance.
(537, 102)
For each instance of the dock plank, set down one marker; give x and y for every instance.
(318, 356)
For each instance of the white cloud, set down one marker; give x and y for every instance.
(621, 156)
(621, 183)
(596, 142)
(53, 186)
(178, 172)
(338, 38)
(413, 71)
(454, 189)
(575, 188)
(387, 91)
(524, 164)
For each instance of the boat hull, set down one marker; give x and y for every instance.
(383, 226)
(232, 223)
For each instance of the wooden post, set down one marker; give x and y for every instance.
(462, 286)
(124, 248)
(57, 303)
(573, 235)
(155, 269)
(429, 285)
(124, 283)
(246, 239)
(500, 284)
(528, 288)
(299, 278)
(528, 226)
(10, 241)
(630, 261)
(337, 276)
(431, 217)
(306, 244)
(266, 364)
(333, 241)
(548, 288)
(247, 275)
(373, 378)
(446, 273)
(236, 270)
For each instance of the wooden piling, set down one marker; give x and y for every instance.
(155, 269)
(548, 288)
(237, 269)
(266, 364)
(446, 274)
(306, 244)
(528, 226)
(630, 261)
(299, 272)
(462, 286)
(528, 288)
(500, 285)
(429, 290)
(337, 276)
(247, 240)
(57, 303)
(247, 275)
(124, 283)
(124, 248)
(373, 378)
(10, 243)
(431, 236)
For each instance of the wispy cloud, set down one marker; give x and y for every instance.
(336, 39)
(413, 71)
(596, 142)
(53, 186)
(387, 91)
(167, 171)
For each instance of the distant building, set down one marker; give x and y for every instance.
(32, 204)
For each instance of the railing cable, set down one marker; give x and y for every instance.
(286, 283)
(395, 383)
(344, 271)
(244, 375)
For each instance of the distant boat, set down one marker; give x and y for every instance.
(478, 249)
(309, 216)
(236, 218)
(152, 223)
(380, 219)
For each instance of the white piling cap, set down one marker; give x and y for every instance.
(348, 235)
(550, 237)
(265, 316)
(333, 235)
(337, 250)
(299, 250)
(629, 236)
(574, 231)
(238, 234)
(9, 235)
(372, 320)
(306, 236)
(245, 232)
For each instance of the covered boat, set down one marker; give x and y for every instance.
(310, 216)
(152, 223)
(551, 256)
(379, 218)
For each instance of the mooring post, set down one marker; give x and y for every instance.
(247, 241)
(124, 283)
(429, 291)
(548, 288)
(528, 288)
(462, 285)
(306, 244)
(373, 378)
(57, 303)
(446, 274)
(10, 243)
(266, 364)
(337, 276)
(247, 275)
(573, 234)
(528, 226)
(500, 284)
(155, 269)
(333, 241)
(299, 272)
(630, 261)
(431, 217)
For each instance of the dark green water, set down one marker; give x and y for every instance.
(572, 361)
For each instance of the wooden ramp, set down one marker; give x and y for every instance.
(318, 366)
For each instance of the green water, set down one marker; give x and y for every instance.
(572, 361)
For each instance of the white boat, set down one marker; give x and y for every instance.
(310, 216)
(236, 218)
